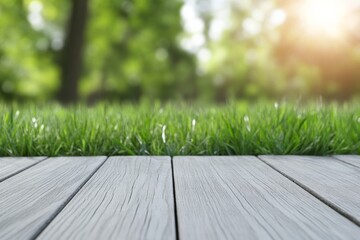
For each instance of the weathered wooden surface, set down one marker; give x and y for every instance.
(12, 165)
(350, 159)
(335, 182)
(31, 198)
(243, 198)
(127, 198)
(216, 198)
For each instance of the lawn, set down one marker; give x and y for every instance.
(180, 129)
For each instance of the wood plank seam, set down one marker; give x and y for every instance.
(54, 215)
(316, 195)
(221, 197)
(21, 170)
(177, 237)
(129, 197)
(341, 160)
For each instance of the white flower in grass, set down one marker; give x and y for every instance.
(247, 122)
(276, 105)
(193, 124)
(116, 127)
(163, 134)
(246, 118)
(42, 127)
(17, 113)
(34, 121)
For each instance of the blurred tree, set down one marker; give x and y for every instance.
(242, 65)
(29, 48)
(133, 52)
(268, 52)
(72, 56)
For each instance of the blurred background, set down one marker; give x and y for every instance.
(191, 50)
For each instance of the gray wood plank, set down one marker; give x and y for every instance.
(127, 198)
(350, 159)
(12, 165)
(243, 198)
(31, 198)
(332, 180)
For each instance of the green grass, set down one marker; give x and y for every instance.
(180, 129)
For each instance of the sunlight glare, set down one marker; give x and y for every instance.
(323, 16)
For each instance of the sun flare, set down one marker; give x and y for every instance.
(323, 16)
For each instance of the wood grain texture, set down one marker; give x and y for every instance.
(30, 198)
(127, 198)
(335, 182)
(350, 159)
(12, 165)
(243, 198)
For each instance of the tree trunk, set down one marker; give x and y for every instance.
(71, 67)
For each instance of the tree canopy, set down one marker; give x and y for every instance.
(179, 49)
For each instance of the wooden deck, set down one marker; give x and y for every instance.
(265, 197)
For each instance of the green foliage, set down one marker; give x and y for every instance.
(258, 57)
(180, 129)
(26, 66)
(133, 52)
